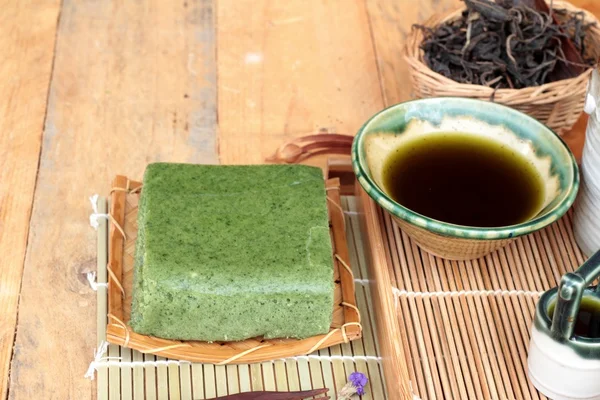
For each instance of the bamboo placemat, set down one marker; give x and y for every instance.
(464, 326)
(127, 374)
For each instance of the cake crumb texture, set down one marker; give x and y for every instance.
(226, 253)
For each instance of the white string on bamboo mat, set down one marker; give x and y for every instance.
(101, 361)
(91, 278)
(415, 397)
(98, 357)
(95, 216)
(497, 292)
(363, 282)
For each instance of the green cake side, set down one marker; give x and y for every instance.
(232, 252)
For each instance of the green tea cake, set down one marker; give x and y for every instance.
(232, 252)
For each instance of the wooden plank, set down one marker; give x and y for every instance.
(291, 68)
(327, 370)
(150, 381)
(391, 22)
(575, 138)
(27, 32)
(185, 372)
(198, 381)
(126, 375)
(142, 90)
(114, 372)
(162, 380)
(221, 380)
(244, 371)
(210, 383)
(339, 370)
(304, 374)
(364, 302)
(138, 377)
(268, 376)
(101, 298)
(293, 377)
(280, 375)
(256, 377)
(394, 362)
(316, 373)
(233, 382)
(174, 385)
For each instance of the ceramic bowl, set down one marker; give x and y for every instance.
(390, 128)
(561, 364)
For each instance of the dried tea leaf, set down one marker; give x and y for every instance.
(507, 44)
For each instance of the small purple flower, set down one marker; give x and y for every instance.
(356, 385)
(359, 381)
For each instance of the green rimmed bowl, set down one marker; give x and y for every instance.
(392, 127)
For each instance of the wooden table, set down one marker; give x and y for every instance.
(91, 89)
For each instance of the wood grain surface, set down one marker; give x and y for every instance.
(90, 89)
(27, 46)
(291, 68)
(391, 22)
(133, 82)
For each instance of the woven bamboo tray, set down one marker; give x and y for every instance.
(346, 324)
(125, 374)
(557, 104)
(460, 329)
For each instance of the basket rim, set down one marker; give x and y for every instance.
(411, 54)
(454, 230)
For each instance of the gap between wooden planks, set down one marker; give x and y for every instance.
(133, 83)
(27, 47)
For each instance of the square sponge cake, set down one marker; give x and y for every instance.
(226, 253)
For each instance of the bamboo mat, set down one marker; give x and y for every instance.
(465, 326)
(125, 374)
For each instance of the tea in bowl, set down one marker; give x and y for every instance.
(464, 177)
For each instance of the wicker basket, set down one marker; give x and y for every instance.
(557, 104)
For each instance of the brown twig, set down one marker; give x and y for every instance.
(508, 51)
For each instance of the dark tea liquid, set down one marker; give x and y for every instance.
(588, 318)
(464, 180)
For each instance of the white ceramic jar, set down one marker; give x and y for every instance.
(562, 364)
(586, 222)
